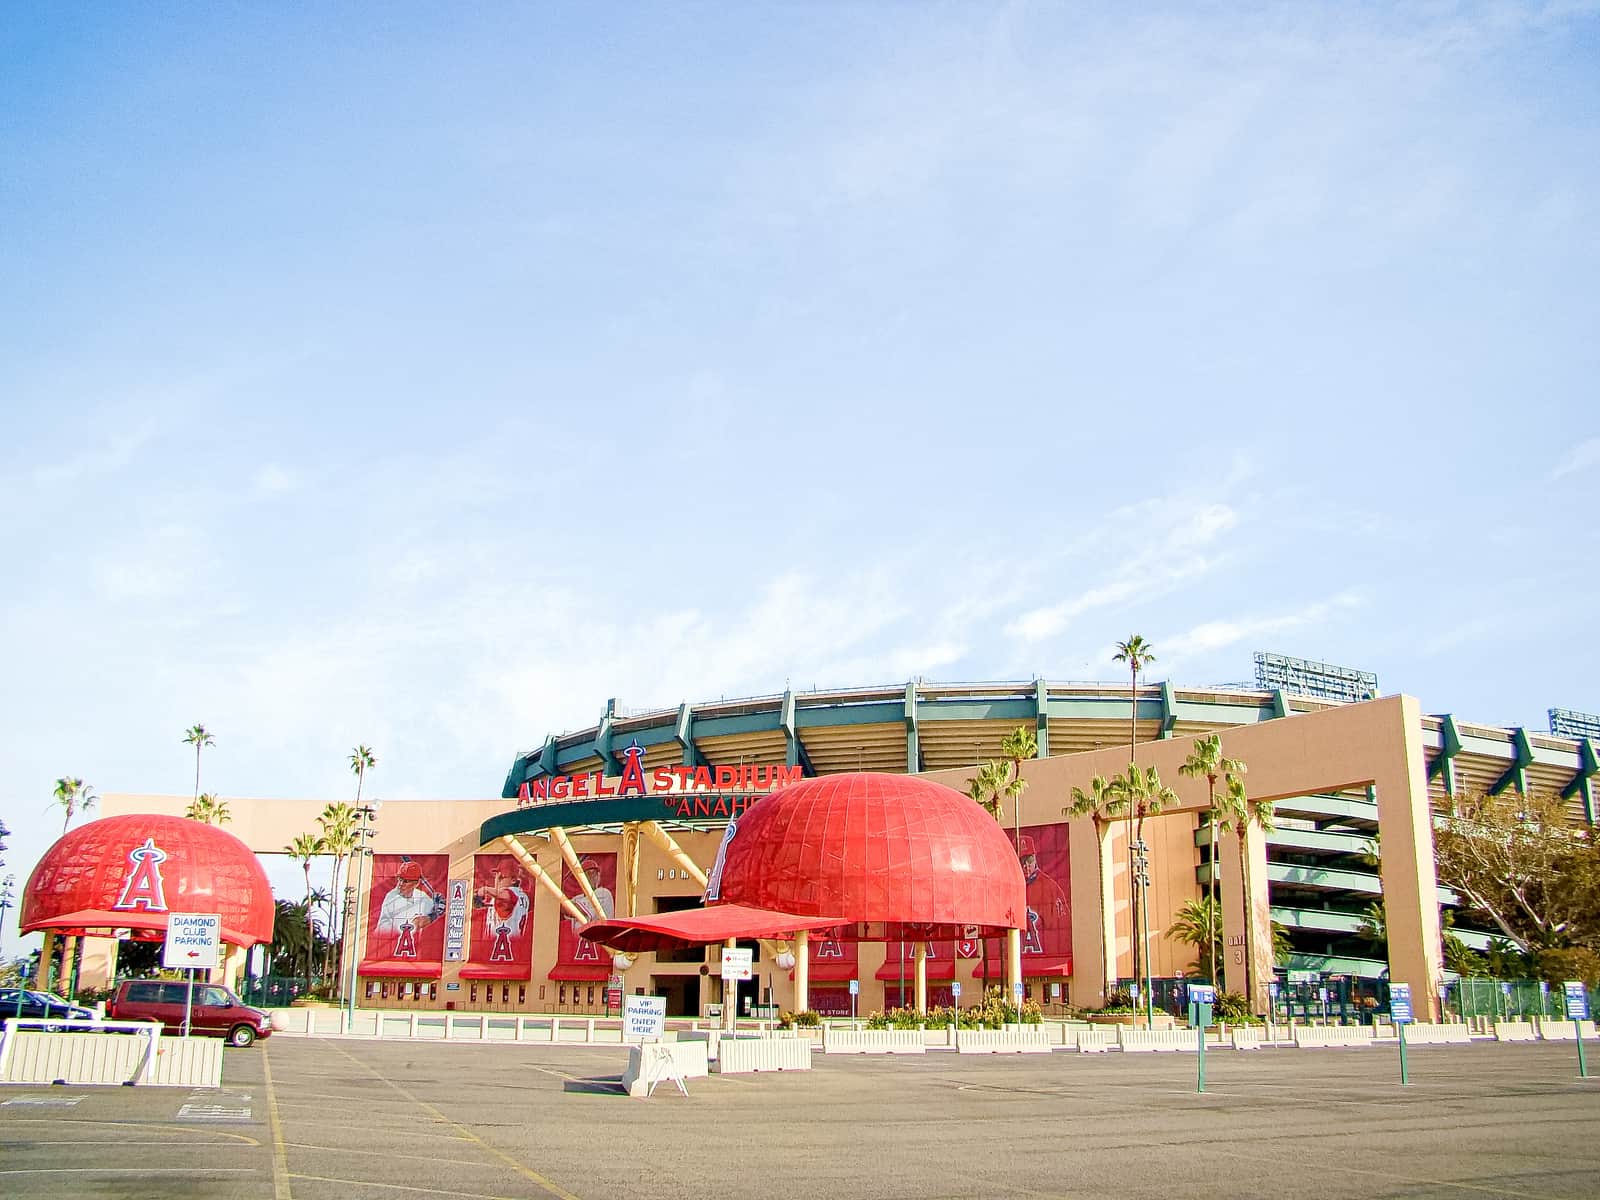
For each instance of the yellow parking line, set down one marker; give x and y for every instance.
(526, 1172)
(280, 1160)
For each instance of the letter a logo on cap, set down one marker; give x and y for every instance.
(143, 888)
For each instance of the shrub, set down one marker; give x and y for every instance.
(1233, 1009)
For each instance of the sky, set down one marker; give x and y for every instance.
(425, 378)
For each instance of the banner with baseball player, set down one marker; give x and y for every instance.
(575, 957)
(1042, 852)
(501, 921)
(405, 915)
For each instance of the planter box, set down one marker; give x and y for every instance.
(1131, 1020)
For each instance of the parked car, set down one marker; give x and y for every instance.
(41, 1006)
(216, 1011)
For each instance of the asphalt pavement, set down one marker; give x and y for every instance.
(315, 1119)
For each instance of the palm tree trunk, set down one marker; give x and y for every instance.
(1108, 948)
(197, 772)
(1211, 878)
(1249, 916)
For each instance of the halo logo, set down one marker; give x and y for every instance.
(143, 887)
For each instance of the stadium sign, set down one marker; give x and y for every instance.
(686, 791)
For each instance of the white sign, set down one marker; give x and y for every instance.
(455, 929)
(955, 988)
(193, 940)
(736, 963)
(644, 1016)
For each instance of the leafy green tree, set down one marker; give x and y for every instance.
(198, 737)
(73, 796)
(1199, 924)
(1102, 804)
(210, 808)
(988, 788)
(1206, 761)
(338, 825)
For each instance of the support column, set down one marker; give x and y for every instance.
(69, 960)
(41, 977)
(1410, 881)
(1013, 964)
(919, 958)
(630, 870)
(730, 995)
(802, 970)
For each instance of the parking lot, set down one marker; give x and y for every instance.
(325, 1118)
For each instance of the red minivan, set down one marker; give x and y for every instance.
(217, 1011)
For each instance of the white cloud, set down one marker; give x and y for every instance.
(1210, 636)
(271, 479)
(1580, 458)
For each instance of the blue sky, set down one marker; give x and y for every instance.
(424, 381)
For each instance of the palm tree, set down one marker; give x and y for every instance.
(303, 849)
(73, 796)
(1137, 653)
(338, 825)
(1243, 813)
(1146, 796)
(988, 788)
(1199, 924)
(362, 760)
(1207, 760)
(1101, 804)
(198, 737)
(208, 807)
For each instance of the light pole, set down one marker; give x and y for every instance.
(1141, 877)
(367, 813)
(6, 897)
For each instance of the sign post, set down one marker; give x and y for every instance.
(1400, 1014)
(736, 968)
(1201, 997)
(1577, 997)
(192, 943)
(855, 990)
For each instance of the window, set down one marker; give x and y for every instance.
(505, 993)
(472, 998)
(216, 997)
(522, 993)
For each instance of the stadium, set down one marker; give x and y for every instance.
(568, 841)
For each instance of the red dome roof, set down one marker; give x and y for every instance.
(900, 856)
(129, 872)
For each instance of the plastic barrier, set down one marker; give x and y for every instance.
(654, 1061)
(1025, 1039)
(1136, 1041)
(1552, 1029)
(1317, 1036)
(738, 1056)
(139, 1055)
(1094, 1041)
(1428, 1033)
(1515, 1031)
(1245, 1037)
(872, 1041)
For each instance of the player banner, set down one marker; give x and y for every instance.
(1047, 937)
(406, 916)
(577, 958)
(502, 920)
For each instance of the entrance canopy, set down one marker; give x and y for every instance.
(869, 857)
(123, 876)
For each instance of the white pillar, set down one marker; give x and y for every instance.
(919, 956)
(1013, 965)
(802, 971)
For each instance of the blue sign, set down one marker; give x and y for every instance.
(1577, 1000)
(1400, 1003)
(1016, 989)
(1202, 993)
(855, 987)
(955, 988)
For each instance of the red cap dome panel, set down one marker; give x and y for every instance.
(897, 855)
(130, 872)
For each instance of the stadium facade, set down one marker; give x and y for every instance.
(625, 817)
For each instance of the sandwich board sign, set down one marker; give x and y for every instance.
(193, 941)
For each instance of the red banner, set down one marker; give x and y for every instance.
(832, 959)
(1043, 854)
(576, 958)
(405, 916)
(941, 961)
(501, 924)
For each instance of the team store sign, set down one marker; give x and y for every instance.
(686, 792)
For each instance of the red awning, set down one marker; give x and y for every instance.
(507, 971)
(106, 923)
(580, 972)
(1043, 966)
(832, 970)
(699, 927)
(938, 968)
(391, 968)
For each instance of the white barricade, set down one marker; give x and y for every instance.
(738, 1056)
(1245, 1037)
(136, 1055)
(872, 1041)
(1094, 1041)
(652, 1062)
(1135, 1041)
(1333, 1035)
(1552, 1029)
(1024, 1039)
(1515, 1031)
(1430, 1033)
